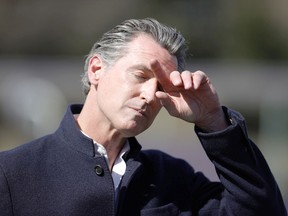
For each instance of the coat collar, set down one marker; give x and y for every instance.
(70, 133)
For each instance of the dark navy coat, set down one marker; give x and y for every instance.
(60, 175)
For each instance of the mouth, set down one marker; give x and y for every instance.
(142, 112)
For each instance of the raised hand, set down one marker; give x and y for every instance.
(190, 96)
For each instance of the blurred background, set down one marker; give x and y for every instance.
(241, 45)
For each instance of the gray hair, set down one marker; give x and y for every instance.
(113, 44)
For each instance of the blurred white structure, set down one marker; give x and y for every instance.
(31, 103)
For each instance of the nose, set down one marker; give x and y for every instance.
(148, 90)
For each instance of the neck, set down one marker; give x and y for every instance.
(112, 140)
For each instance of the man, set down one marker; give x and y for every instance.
(93, 165)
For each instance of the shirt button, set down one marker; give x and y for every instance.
(99, 170)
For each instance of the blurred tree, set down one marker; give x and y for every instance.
(250, 34)
(214, 29)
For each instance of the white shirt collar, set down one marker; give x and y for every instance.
(119, 167)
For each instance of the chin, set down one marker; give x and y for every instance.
(133, 130)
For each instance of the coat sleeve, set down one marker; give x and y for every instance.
(5, 199)
(249, 186)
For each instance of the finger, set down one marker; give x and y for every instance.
(187, 79)
(198, 77)
(176, 78)
(159, 73)
(166, 102)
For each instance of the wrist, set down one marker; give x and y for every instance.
(213, 122)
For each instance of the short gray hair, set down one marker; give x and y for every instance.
(113, 43)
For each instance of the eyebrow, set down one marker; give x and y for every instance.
(141, 67)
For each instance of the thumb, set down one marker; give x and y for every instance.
(166, 102)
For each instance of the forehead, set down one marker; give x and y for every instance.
(144, 48)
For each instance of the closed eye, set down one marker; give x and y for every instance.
(141, 72)
(143, 77)
(140, 76)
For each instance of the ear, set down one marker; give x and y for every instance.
(95, 68)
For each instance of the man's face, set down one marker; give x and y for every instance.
(125, 92)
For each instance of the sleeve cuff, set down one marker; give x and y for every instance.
(233, 139)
